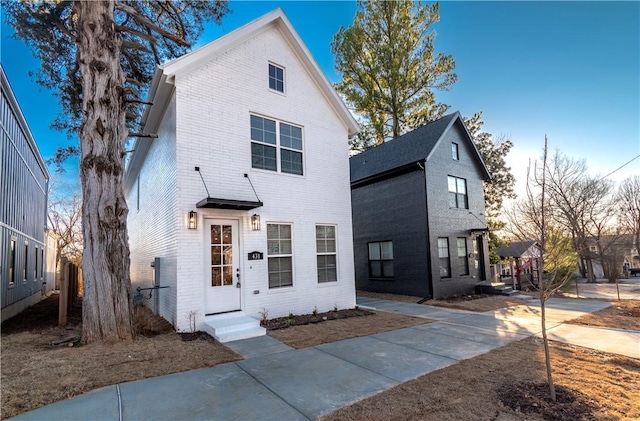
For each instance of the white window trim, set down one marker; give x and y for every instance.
(284, 79)
(279, 147)
(293, 267)
(335, 253)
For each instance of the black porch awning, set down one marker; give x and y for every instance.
(213, 203)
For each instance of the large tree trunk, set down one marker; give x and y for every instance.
(107, 307)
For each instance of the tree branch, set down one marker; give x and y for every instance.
(147, 23)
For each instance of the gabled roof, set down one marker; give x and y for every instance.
(412, 147)
(163, 81)
(515, 249)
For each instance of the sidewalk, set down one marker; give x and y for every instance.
(276, 382)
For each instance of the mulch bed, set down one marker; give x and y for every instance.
(305, 319)
(534, 398)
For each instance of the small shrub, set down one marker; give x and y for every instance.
(315, 311)
(264, 316)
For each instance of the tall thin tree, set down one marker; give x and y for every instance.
(99, 56)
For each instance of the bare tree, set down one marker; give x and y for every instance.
(65, 221)
(530, 219)
(629, 208)
(578, 200)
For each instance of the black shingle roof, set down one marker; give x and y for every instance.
(515, 249)
(406, 149)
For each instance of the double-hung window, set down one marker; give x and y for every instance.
(326, 253)
(276, 146)
(280, 255)
(443, 255)
(276, 78)
(381, 259)
(462, 256)
(458, 193)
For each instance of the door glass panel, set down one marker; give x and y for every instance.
(221, 255)
(216, 277)
(215, 255)
(228, 255)
(228, 275)
(215, 234)
(226, 234)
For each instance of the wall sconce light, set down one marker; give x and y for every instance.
(255, 222)
(193, 220)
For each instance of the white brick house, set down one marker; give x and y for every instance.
(254, 112)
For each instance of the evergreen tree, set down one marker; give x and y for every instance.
(493, 151)
(389, 68)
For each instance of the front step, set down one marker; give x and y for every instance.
(494, 288)
(233, 327)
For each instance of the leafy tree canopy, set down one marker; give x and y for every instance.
(390, 70)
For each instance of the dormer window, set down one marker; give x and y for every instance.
(276, 78)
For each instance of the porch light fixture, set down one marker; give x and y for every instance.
(193, 220)
(255, 222)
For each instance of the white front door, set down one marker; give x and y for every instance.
(223, 287)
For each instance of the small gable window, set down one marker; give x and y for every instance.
(276, 78)
(454, 152)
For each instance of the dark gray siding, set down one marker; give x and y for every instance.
(454, 223)
(23, 189)
(393, 209)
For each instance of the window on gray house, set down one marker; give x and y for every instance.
(35, 265)
(462, 256)
(458, 193)
(276, 78)
(381, 259)
(25, 262)
(443, 255)
(280, 255)
(326, 253)
(12, 262)
(454, 151)
(276, 146)
(42, 263)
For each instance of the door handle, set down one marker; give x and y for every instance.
(238, 276)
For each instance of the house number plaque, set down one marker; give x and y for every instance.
(256, 255)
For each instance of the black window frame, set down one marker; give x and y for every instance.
(385, 267)
(455, 151)
(463, 260)
(444, 262)
(457, 199)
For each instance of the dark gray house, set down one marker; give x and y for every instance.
(418, 213)
(23, 209)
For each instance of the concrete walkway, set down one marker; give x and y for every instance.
(276, 382)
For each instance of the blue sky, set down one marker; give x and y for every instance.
(570, 70)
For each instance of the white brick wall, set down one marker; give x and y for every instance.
(152, 225)
(212, 110)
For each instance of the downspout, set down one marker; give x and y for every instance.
(422, 164)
